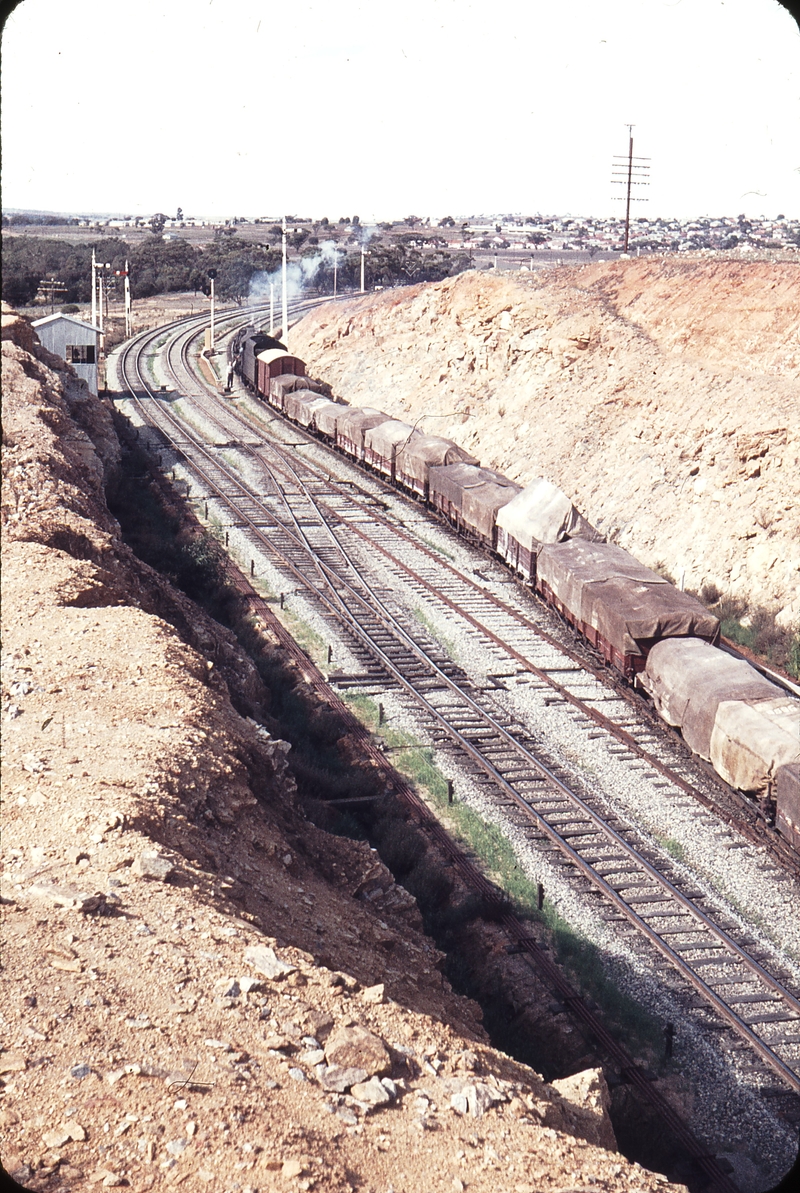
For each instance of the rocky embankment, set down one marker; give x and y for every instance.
(661, 395)
(202, 989)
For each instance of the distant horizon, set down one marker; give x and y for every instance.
(374, 221)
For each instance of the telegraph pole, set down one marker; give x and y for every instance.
(284, 297)
(128, 317)
(94, 290)
(362, 269)
(630, 171)
(212, 310)
(271, 307)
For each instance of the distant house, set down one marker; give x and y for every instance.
(72, 340)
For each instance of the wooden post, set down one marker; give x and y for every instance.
(449, 791)
(540, 896)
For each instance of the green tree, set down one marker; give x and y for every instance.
(157, 223)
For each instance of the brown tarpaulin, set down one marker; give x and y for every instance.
(475, 493)
(357, 420)
(542, 513)
(301, 405)
(426, 451)
(326, 418)
(627, 603)
(728, 713)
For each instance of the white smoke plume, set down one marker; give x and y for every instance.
(299, 274)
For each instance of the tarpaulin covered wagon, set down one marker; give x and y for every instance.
(747, 727)
(540, 513)
(326, 417)
(300, 405)
(276, 362)
(469, 497)
(415, 459)
(787, 802)
(286, 383)
(620, 606)
(353, 426)
(382, 443)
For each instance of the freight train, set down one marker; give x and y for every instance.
(657, 637)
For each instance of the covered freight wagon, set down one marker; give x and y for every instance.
(787, 802)
(300, 405)
(287, 383)
(353, 426)
(275, 362)
(469, 497)
(540, 513)
(620, 606)
(382, 443)
(415, 459)
(743, 724)
(326, 417)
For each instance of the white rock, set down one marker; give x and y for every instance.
(266, 961)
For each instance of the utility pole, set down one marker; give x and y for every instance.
(335, 269)
(271, 307)
(212, 274)
(94, 290)
(284, 297)
(630, 171)
(362, 269)
(128, 316)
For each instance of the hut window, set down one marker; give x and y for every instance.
(80, 354)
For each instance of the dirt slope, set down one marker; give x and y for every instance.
(202, 989)
(662, 396)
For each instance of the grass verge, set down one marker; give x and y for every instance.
(573, 951)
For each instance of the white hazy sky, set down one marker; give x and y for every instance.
(436, 107)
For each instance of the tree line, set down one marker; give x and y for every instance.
(157, 266)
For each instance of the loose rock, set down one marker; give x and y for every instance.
(152, 865)
(339, 1080)
(355, 1047)
(371, 1092)
(266, 961)
(374, 994)
(68, 896)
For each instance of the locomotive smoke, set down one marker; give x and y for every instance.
(298, 275)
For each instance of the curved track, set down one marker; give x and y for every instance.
(296, 526)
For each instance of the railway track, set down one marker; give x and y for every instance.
(302, 530)
(510, 631)
(312, 515)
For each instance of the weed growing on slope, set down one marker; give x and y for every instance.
(489, 844)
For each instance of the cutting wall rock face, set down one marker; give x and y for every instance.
(196, 991)
(662, 396)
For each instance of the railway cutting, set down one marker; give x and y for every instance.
(324, 535)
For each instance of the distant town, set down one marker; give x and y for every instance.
(515, 233)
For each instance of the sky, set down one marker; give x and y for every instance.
(430, 107)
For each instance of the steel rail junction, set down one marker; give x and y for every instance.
(466, 721)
